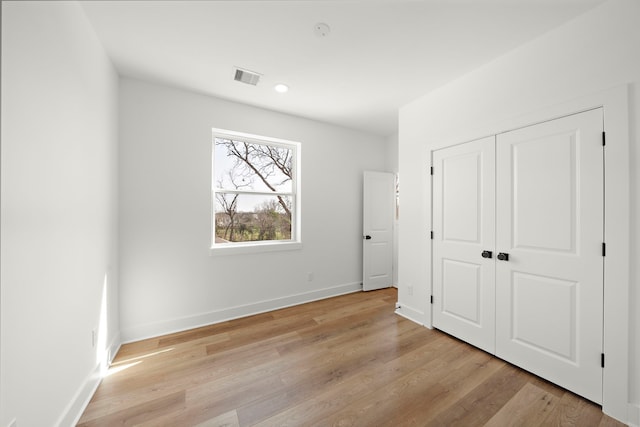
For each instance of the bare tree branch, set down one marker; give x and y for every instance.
(260, 161)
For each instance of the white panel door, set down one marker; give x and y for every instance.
(378, 212)
(549, 222)
(463, 242)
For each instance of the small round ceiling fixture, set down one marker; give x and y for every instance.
(281, 88)
(321, 29)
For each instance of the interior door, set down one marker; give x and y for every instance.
(549, 270)
(377, 235)
(463, 242)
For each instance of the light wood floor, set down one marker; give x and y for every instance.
(343, 361)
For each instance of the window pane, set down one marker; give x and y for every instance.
(251, 217)
(250, 166)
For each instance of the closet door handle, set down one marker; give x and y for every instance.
(503, 256)
(487, 254)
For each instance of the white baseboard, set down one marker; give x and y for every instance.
(150, 330)
(410, 313)
(78, 404)
(634, 415)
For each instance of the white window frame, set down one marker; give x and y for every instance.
(233, 248)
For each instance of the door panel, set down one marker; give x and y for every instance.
(461, 296)
(549, 217)
(544, 174)
(555, 333)
(378, 212)
(461, 200)
(464, 226)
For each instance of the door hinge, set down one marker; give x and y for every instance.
(604, 139)
(602, 360)
(432, 235)
(431, 299)
(431, 170)
(604, 249)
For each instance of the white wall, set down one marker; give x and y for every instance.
(594, 52)
(168, 280)
(59, 206)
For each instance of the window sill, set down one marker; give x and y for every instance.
(253, 248)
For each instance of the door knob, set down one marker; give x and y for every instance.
(487, 254)
(503, 256)
(367, 237)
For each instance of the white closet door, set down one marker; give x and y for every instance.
(464, 227)
(550, 223)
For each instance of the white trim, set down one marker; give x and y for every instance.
(615, 102)
(253, 192)
(87, 389)
(412, 314)
(155, 329)
(76, 407)
(256, 139)
(617, 262)
(253, 248)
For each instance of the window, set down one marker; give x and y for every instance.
(255, 192)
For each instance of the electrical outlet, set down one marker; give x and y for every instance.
(309, 277)
(410, 290)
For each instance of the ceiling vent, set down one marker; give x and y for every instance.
(246, 76)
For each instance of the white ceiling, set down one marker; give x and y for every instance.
(380, 54)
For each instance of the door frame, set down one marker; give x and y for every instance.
(615, 104)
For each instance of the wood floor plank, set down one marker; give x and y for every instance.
(573, 411)
(135, 415)
(136, 349)
(348, 310)
(332, 400)
(149, 378)
(376, 318)
(484, 401)
(344, 361)
(607, 421)
(129, 388)
(529, 406)
(335, 365)
(207, 402)
(456, 385)
(386, 404)
(228, 419)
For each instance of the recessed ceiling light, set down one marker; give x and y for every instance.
(281, 88)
